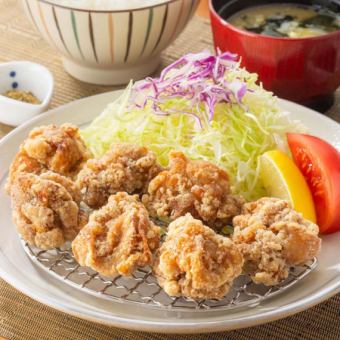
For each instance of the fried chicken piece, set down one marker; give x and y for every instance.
(71, 187)
(126, 167)
(67, 183)
(45, 209)
(59, 149)
(196, 262)
(118, 238)
(22, 163)
(273, 237)
(196, 187)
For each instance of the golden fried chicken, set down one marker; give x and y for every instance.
(196, 262)
(118, 238)
(126, 167)
(46, 209)
(66, 182)
(59, 149)
(196, 187)
(273, 237)
(22, 163)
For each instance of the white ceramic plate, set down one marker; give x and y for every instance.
(20, 272)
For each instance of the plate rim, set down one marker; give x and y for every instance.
(332, 287)
(190, 327)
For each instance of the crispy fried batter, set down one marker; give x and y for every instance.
(46, 212)
(22, 163)
(125, 167)
(68, 184)
(59, 149)
(118, 238)
(196, 262)
(272, 237)
(196, 187)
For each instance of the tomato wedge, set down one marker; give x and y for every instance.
(319, 162)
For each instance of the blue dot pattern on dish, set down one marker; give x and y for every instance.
(14, 85)
(12, 74)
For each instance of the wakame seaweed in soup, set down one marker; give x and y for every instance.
(287, 20)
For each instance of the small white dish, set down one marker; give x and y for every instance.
(24, 76)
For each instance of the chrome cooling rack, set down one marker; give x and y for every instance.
(142, 287)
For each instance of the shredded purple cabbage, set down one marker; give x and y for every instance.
(198, 78)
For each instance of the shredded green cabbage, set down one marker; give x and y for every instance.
(233, 140)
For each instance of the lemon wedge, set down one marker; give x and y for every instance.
(283, 179)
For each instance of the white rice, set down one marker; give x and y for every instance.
(108, 4)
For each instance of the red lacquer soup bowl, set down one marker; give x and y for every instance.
(304, 70)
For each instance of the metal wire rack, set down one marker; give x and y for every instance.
(142, 287)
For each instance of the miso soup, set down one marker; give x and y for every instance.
(287, 20)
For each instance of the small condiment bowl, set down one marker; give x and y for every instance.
(23, 76)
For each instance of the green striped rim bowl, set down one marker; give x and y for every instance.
(110, 47)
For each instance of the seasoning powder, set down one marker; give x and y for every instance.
(23, 96)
